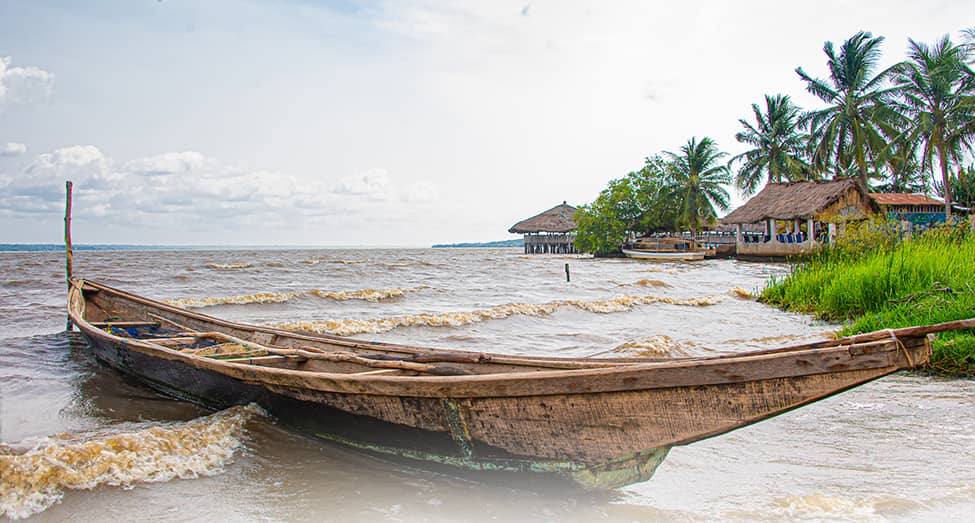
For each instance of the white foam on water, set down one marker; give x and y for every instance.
(34, 479)
(346, 327)
(237, 265)
(652, 346)
(372, 295)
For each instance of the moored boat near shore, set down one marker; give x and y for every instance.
(600, 423)
(664, 249)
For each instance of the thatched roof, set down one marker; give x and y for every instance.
(795, 200)
(556, 219)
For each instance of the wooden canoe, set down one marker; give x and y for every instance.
(600, 423)
(663, 255)
(665, 249)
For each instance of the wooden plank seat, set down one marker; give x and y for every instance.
(103, 324)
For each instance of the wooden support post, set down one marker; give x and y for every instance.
(67, 241)
(567, 279)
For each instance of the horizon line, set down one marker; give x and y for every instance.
(47, 247)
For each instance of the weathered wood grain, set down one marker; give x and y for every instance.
(565, 412)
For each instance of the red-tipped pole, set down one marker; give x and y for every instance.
(67, 239)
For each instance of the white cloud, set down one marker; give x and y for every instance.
(168, 163)
(186, 190)
(39, 187)
(373, 183)
(23, 85)
(12, 149)
(82, 163)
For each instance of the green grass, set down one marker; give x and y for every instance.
(871, 280)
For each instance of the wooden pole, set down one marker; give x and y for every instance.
(567, 273)
(67, 240)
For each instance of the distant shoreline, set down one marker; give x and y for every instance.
(53, 247)
(57, 247)
(517, 242)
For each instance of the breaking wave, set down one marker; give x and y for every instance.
(346, 262)
(239, 265)
(366, 294)
(347, 327)
(646, 282)
(823, 507)
(652, 346)
(33, 480)
(740, 292)
(373, 295)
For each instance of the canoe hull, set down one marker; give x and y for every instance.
(339, 419)
(599, 427)
(664, 255)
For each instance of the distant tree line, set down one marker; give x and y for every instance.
(907, 128)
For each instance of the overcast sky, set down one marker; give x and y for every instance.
(380, 123)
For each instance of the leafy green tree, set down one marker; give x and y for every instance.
(850, 132)
(602, 226)
(657, 212)
(938, 89)
(696, 181)
(777, 146)
(632, 205)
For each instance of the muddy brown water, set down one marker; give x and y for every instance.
(82, 443)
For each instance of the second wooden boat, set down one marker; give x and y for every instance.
(665, 249)
(600, 423)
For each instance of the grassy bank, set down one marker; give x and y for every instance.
(872, 280)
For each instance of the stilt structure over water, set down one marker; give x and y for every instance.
(551, 232)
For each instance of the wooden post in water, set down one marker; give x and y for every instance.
(567, 273)
(67, 240)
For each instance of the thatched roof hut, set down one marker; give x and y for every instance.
(558, 219)
(549, 232)
(805, 201)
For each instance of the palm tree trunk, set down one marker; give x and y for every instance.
(943, 160)
(862, 168)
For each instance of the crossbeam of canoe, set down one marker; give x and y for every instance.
(233, 349)
(237, 350)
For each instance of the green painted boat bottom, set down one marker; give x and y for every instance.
(626, 470)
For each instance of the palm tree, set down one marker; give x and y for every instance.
(904, 174)
(968, 35)
(777, 146)
(696, 181)
(963, 188)
(850, 132)
(938, 89)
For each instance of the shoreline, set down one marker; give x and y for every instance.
(873, 280)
